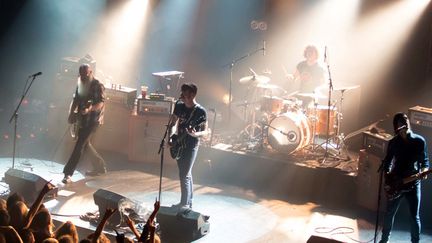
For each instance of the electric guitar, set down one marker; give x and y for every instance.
(394, 187)
(178, 141)
(79, 120)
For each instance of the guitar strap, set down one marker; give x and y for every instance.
(191, 114)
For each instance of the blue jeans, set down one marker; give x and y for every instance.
(185, 164)
(413, 197)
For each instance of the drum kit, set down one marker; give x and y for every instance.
(285, 123)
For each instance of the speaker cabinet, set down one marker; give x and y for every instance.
(368, 181)
(105, 199)
(113, 134)
(27, 184)
(145, 135)
(183, 226)
(319, 239)
(426, 133)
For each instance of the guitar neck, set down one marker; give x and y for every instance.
(416, 176)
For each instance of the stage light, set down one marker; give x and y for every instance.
(225, 99)
(120, 39)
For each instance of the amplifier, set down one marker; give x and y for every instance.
(157, 96)
(421, 123)
(376, 143)
(148, 106)
(123, 95)
(367, 181)
(420, 116)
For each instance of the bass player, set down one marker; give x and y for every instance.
(406, 156)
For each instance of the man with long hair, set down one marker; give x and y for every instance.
(86, 111)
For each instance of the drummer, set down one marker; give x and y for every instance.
(309, 75)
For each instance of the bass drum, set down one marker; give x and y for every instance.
(289, 132)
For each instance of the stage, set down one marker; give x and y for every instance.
(249, 197)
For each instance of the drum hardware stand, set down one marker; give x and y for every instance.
(314, 121)
(327, 154)
(340, 137)
(311, 148)
(253, 124)
(231, 65)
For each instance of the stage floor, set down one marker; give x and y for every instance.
(236, 214)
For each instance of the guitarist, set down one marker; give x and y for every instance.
(87, 111)
(190, 119)
(406, 155)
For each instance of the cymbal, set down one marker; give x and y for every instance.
(347, 88)
(312, 95)
(290, 95)
(267, 86)
(255, 79)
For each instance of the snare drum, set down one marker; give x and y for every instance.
(289, 132)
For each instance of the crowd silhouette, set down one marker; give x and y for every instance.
(19, 223)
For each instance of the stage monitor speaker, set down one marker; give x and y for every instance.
(183, 226)
(368, 181)
(27, 184)
(105, 199)
(319, 239)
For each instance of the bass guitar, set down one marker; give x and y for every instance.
(394, 187)
(178, 141)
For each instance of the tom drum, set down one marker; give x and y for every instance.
(321, 116)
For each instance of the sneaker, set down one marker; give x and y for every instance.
(181, 206)
(67, 179)
(94, 173)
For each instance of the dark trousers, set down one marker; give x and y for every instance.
(413, 197)
(185, 164)
(83, 144)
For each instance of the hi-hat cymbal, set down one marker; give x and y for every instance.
(347, 88)
(312, 95)
(255, 79)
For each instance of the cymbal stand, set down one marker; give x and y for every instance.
(231, 65)
(327, 153)
(340, 137)
(314, 124)
(253, 125)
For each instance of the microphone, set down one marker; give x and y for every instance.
(401, 127)
(35, 74)
(264, 48)
(325, 54)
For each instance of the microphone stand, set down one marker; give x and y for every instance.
(326, 154)
(14, 116)
(162, 150)
(231, 65)
(381, 171)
